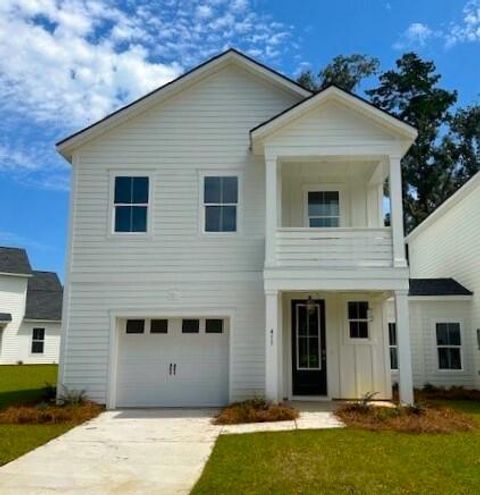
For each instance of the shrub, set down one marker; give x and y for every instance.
(49, 393)
(255, 410)
(71, 397)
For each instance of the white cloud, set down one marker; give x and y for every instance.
(416, 35)
(66, 63)
(464, 30)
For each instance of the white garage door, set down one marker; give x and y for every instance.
(173, 362)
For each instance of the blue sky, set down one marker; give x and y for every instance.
(66, 63)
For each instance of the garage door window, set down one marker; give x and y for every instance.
(159, 326)
(214, 326)
(135, 326)
(190, 326)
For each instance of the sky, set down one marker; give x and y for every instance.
(66, 63)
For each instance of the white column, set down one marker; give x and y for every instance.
(396, 211)
(273, 346)
(404, 349)
(271, 216)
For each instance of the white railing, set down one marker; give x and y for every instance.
(334, 247)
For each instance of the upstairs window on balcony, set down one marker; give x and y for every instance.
(130, 204)
(220, 203)
(323, 209)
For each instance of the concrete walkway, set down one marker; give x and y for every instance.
(136, 451)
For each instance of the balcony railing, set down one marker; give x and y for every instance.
(334, 247)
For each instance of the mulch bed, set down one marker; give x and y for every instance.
(255, 411)
(415, 419)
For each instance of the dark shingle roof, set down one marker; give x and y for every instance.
(14, 260)
(5, 317)
(44, 297)
(437, 287)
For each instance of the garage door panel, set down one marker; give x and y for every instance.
(198, 375)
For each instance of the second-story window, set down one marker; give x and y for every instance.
(131, 204)
(220, 203)
(323, 209)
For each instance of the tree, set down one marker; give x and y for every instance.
(343, 71)
(411, 92)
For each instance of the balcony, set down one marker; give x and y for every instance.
(334, 248)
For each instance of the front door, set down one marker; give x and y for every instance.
(309, 357)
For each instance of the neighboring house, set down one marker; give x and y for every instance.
(30, 311)
(445, 322)
(227, 240)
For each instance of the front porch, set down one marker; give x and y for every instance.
(325, 345)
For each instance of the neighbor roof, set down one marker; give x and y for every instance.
(5, 317)
(14, 261)
(437, 287)
(44, 297)
(471, 185)
(66, 145)
(333, 92)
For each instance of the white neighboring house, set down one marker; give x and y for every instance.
(227, 240)
(445, 323)
(30, 311)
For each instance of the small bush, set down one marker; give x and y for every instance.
(70, 397)
(410, 419)
(49, 393)
(255, 411)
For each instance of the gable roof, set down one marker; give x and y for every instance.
(14, 261)
(333, 93)
(471, 185)
(66, 145)
(437, 287)
(44, 297)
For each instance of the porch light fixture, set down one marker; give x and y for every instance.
(311, 307)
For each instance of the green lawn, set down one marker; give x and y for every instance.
(19, 384)
(345, 461)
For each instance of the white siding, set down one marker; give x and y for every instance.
(450, 247)
(12, 300)
(175, 268)
(423, 316)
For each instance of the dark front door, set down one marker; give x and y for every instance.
(309, 357)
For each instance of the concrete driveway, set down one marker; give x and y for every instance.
(156, 451)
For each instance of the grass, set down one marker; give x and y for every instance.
(346, 461)
(20, 384)
(21, 387)
(255, 411)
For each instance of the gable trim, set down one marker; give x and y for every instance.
(66, 145)
(333, 92)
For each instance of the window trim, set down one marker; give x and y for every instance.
(390, 346)
(339, 187)
(202, 207)
(33, 340)
(436, 346)
(359, 340)
(113, 173)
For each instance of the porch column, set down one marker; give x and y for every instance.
(273, 346)
(272, 193)
(396, 211)
(404, 349)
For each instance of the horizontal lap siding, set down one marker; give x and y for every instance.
(450, 247)
(205, 128)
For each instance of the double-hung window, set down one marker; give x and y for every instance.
(323, 208)
(131, 204)
(220, 203)
(358, 319)
(449, 346)
(392, 345)
(38, 340)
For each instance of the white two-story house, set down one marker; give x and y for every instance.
(227, 240)
(30, 311)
